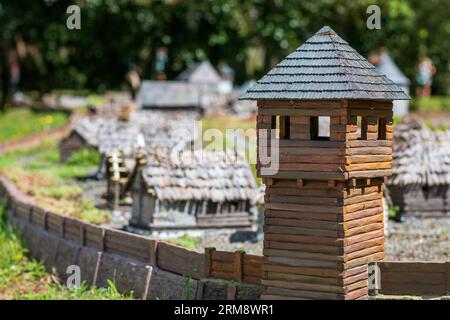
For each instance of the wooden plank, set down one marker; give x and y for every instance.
(306, 239)
(413, 289)
(323, 225)
(368, 143)
(208, 261)
(361, 206)
(361, 229)
(180, 260)
(222, 256)
(305, 175)
(362, 222)
(301, 255)
(315, 151)
(299, 103)
(362, 214)
(238, 266)
(366, 196)
(302, 247)
(364, 151)
(368, 166)
(326, 201)
(303, 293)
(405, 266)
(363, 237)
(312, 144)
(363, 245)
(432, 278)
(222, 267)
(359, 159)
(310, 208)
(364, 260)
(301, 231)
(307, 167)
(304, 112)
(279, 276)
(303, 286)
(299, 215)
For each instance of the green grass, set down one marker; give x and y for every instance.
(79, 164)
(22, 278)
(39, 173)
(186, 241)
(46, 158)
(20, 122)
(55, 194)
(430, 104)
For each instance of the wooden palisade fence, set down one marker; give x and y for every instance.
(396, 278)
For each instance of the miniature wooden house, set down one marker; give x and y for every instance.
(323, 206)
(420, 182)
(189, 193)
(83, 135)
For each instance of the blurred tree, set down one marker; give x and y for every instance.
(249, 35)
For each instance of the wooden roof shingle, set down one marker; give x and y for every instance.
(324, 67)
(420, 156)
(200, 175)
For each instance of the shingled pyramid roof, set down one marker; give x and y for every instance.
(324, 67)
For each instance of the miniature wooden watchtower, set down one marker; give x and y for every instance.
(323, 207)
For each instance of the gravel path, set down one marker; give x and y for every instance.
(426, 239)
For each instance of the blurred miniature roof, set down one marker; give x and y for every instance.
(87, 128)
(324, 67)
(144, 129)
(200, 175)
(171, 94)
(201, 72)
(421, 156)
(388, 67)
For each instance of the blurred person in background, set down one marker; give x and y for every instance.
(424, 78)
(134, 80)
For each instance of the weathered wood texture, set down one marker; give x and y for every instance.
(323, 207)
(319, 237)
(414, 278)
(166, 256)
(359, 145)
(237, 266)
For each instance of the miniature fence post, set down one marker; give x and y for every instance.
(208, 261)
(63, 227)
(82, 234)
(238, 265)
(447, 276)
(45, 222)
(153, 253)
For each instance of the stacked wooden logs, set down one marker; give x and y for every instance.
(319, 238)
(323, 208)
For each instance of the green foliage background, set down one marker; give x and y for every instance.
(249, 35)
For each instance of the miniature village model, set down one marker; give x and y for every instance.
(194, 189)
(323, 208)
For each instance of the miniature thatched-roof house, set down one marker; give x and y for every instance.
(83, 135)
(194, 189)
(421, 170)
